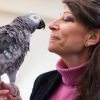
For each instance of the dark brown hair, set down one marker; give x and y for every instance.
(87, 12)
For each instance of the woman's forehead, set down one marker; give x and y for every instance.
(66, 10)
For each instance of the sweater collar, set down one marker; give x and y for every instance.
(70, 76)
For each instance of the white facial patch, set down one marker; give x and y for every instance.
(35, 18)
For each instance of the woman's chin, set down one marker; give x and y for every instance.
(51, 48)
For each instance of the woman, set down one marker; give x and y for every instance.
(75, 37)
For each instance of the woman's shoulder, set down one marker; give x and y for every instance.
(47, 76)
(44, 81)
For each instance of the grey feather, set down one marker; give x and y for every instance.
(15, 41)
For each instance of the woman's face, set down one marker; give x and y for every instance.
(68, 36)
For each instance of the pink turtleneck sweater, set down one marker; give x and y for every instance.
(67, 89)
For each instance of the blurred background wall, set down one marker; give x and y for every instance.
(38, 59)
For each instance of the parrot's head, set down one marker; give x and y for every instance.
(30, 22)
(37, 19)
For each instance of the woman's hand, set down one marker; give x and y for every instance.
(9, 92)
(4, 94)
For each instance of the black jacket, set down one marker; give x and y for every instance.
(45, 85)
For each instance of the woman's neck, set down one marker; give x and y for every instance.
(75, 60)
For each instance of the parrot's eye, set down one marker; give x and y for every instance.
(34, 17)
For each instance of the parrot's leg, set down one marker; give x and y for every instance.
(12, 76)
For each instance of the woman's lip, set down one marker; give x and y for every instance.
(52, 37)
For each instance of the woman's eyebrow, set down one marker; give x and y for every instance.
(67, 12)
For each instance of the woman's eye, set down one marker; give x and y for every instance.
(69, 19)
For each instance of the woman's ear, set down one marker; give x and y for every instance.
(93, 38)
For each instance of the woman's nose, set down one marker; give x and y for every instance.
(54, 25)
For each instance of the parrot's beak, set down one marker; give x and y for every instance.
(41, 25)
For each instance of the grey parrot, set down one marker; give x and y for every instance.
(15, 42)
